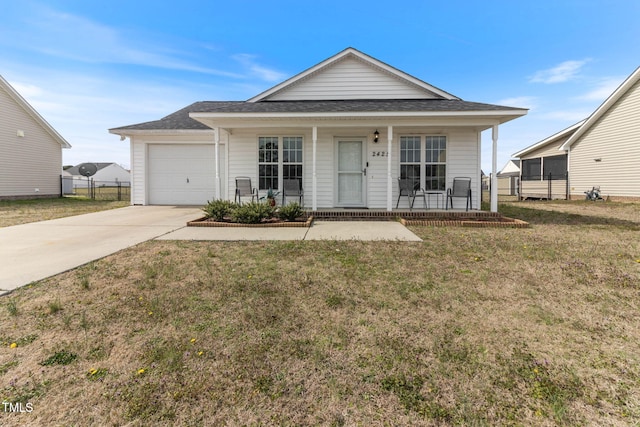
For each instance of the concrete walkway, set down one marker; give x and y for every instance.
(320, 230)
(35, 251)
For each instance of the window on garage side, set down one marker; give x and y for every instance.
(268, 162)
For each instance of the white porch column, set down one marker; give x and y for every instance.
(216, 132)
(314, 189)
(494, 170)
(389, 178)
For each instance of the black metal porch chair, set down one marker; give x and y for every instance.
(461, 189)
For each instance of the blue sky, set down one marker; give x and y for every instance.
(87, 65)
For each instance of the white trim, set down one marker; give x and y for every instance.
(494, 169)
(608, 103)
(389, 175)
(511, 114)
(549, 140)
(363, 57)
(314, 179)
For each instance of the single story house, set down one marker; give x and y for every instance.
(347, 128)
(30, 149)
(509, 178)
(544, 167)
(107, 173)
(601, 151)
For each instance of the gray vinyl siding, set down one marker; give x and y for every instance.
(351, 79)
(615, 139)
(30, 162)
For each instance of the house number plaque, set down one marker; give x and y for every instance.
(379, 154)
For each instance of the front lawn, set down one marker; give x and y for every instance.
(14, 212)
(470, 327)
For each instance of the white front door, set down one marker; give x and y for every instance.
(351, 172)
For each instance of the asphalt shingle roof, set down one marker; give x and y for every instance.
(181, 120)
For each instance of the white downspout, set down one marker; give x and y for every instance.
(389, 179)
(314, 189)
(494, 170)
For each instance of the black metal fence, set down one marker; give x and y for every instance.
(95, 190)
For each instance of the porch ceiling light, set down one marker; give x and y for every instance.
(376, 135)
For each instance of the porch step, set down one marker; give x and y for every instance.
(380, 215)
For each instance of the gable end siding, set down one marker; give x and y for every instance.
(351, 79)
(615, 139)
(27, 163)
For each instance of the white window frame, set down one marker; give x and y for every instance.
(280, 162)
(423, 157)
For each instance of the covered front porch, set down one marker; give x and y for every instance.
(352, 164)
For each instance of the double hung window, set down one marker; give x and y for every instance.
(278, 157)
(428, 171)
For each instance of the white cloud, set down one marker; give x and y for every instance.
(258, 70)
(570, 116)
(604, 88)
(76, 38)
(561, 73)
(529, 102)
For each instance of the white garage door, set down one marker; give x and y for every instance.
(181, 174)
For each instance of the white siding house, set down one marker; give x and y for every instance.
(605, 150)
(30, 149)
(601, 151)
(348, 128)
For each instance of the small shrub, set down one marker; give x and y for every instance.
(290, 212)
(12, 307)
(55, 306)
(218, 209)
(252, 213)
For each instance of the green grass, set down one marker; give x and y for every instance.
(469, 327)
(15, 212)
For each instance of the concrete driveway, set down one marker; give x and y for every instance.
(35, 251)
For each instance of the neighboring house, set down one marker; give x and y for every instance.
(347, 127)
(508, 178)
(30, 149)
(543, 167)
(108, 173)
(605, 150)
(601, 151)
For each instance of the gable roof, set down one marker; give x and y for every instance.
(424, 101)
(553, 138)
(606, 105)
(511, 167)
(368, 61)
(33, 113)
